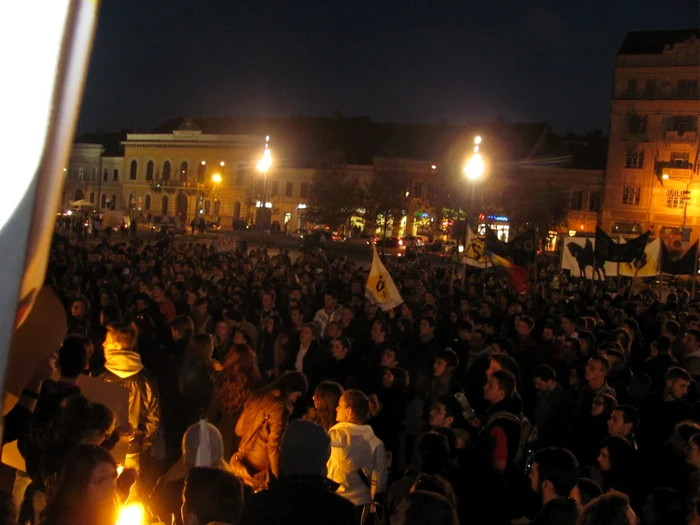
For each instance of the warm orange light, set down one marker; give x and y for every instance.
(216, 178)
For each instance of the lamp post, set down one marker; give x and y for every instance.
(263, 167)
(473, 170)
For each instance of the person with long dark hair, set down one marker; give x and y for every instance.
(196, 378)
(233, 386)
(326, 398)
(86, 490)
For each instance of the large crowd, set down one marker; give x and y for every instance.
(269, 390)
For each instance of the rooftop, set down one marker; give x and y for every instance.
(654, 42)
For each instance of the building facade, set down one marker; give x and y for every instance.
(652, 167)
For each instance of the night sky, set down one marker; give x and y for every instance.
(393, 60)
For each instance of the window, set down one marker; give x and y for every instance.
(649, 89)
(688, 88)
(132, 170)
(103, 201)
(115, 175)
(147, 202)
(149, 170)
(634, 159)
(165, 205)
(576, 200)
(417, 190)
(217, 208)
(304, 190)
(184, 170)
(207, 207)
(631, 195)
(94, 175)
(684, 123)
(240, 175)
(92, 197)
(631, 91)
(680, 159)
(166, 170)
(113, 202)
(236, 210)
(275, 188)
(637, 123)
(594, 202)
(676, 198)
(105, 175)
(289, 189)
(132, 200)
(201, 171)
(81, 173)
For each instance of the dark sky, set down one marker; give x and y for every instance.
(393, 60)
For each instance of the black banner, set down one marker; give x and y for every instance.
(684, 265)
(521, 250)
(608, 250)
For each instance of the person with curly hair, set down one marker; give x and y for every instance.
(612, 508)
(234, 384)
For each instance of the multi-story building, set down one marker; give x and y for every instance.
(652, 167)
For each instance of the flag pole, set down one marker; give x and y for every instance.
(619, 278)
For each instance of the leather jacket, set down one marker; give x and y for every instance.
(144, 407)
(261, 427)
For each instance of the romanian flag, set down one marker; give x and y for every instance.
(517, 275)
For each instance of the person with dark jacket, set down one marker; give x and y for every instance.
(123, 367)
(302, 494)
(553, 476)
(310, 358)
(551, 408)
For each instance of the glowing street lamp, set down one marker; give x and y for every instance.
(473, 170)
(216, 178)
(264, 165)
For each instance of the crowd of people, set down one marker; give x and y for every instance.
(269, 390)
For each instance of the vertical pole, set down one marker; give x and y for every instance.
(619, 278)
(695, 271)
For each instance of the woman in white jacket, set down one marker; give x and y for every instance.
(358, 458)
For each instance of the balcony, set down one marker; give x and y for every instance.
(673, 135)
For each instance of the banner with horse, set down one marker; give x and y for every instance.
(578, 256)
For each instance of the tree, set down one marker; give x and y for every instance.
(545, 208)
(387, 194)
(334, 197)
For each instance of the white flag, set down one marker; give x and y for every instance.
(380, 287)
(475, 251)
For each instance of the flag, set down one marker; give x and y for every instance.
(648, 265)
(475, 251)
(224, 243)
(380, 287)
(523, 248)
(578, 256)
(685, 265)
(494, 244)
(608, 250)
(517, 275)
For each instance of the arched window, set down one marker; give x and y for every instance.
(149, 170)
(217, 208)
(133, 167)
(103, 201)
(113, 202)
(184, 171)
(200, 204)
(79, 195)
(236, 210)
(132, 200)
(240, 175)
(165, 205)
(147, 204)
(201, 171)
(166, 170)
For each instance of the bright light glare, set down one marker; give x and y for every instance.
(265, 162)
(434, 167)
(665, 176)
(69, 212)
(477, 140)
(216, 178)
(131, 515)
(222, 163)
(475, 167)
(204, 162)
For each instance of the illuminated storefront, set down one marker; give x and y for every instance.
(498, 223)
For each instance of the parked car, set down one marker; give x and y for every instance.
(448, 246)
(391, 246)
(414, 240)
(363, 238)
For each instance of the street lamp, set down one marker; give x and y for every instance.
(216, 178)
(473, 170)
(264, 165)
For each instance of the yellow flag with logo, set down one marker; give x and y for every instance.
(475, 252)
(380, 287)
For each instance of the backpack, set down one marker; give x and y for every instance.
(528, 435)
